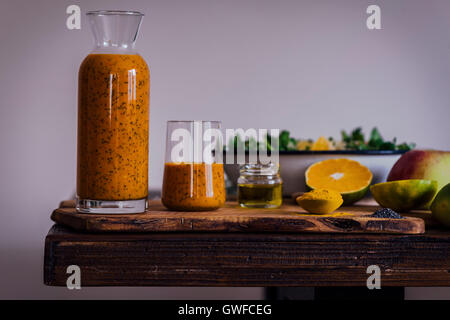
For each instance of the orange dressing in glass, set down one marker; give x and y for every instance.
(193, 186)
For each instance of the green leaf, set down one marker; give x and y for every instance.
(406, 146)
(387, 146)
(376, 140)
(357, 135)
(234, 142)
(251, 144)
(268, 142)
(361, 146)
(284, 140)
(345, 137)
(292, 144)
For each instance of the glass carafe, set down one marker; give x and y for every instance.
(113, 118)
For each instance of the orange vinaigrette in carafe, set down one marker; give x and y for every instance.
(113, 118)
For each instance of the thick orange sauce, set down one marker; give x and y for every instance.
(193, 186)
(113, 116)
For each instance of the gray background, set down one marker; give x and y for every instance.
(309, 66)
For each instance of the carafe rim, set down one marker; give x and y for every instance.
(114, 12)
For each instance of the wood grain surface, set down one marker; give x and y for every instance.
(247, 259)
(232, 218)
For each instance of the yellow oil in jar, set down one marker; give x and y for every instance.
(260, 195)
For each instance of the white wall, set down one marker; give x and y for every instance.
(308, 66)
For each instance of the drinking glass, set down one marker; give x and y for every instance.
(193, 169)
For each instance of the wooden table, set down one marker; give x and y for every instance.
(240, 259)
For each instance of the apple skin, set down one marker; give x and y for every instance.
(440, 208)
(423, 164)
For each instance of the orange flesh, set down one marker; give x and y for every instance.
(113, 115)
(321, 144)
(342, 175)
(193, 186)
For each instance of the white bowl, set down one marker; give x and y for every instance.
(293, 165)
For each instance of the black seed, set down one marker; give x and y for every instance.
(386, 213)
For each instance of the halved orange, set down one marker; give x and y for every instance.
(349, 177)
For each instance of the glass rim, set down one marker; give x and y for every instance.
(192, 121)
(114, 13)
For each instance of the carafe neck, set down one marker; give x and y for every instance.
(115, 31)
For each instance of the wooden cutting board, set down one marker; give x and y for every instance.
(231, 218)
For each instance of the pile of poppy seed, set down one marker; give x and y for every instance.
(386, 213)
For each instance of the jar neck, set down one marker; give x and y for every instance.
(258, 174)
(258, 169)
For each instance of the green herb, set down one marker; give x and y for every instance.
(354, 140)
(406, 146)
(376, 140)
(358, 136)
(284, 140)
(345, 137)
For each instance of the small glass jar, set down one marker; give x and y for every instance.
(260, 186)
